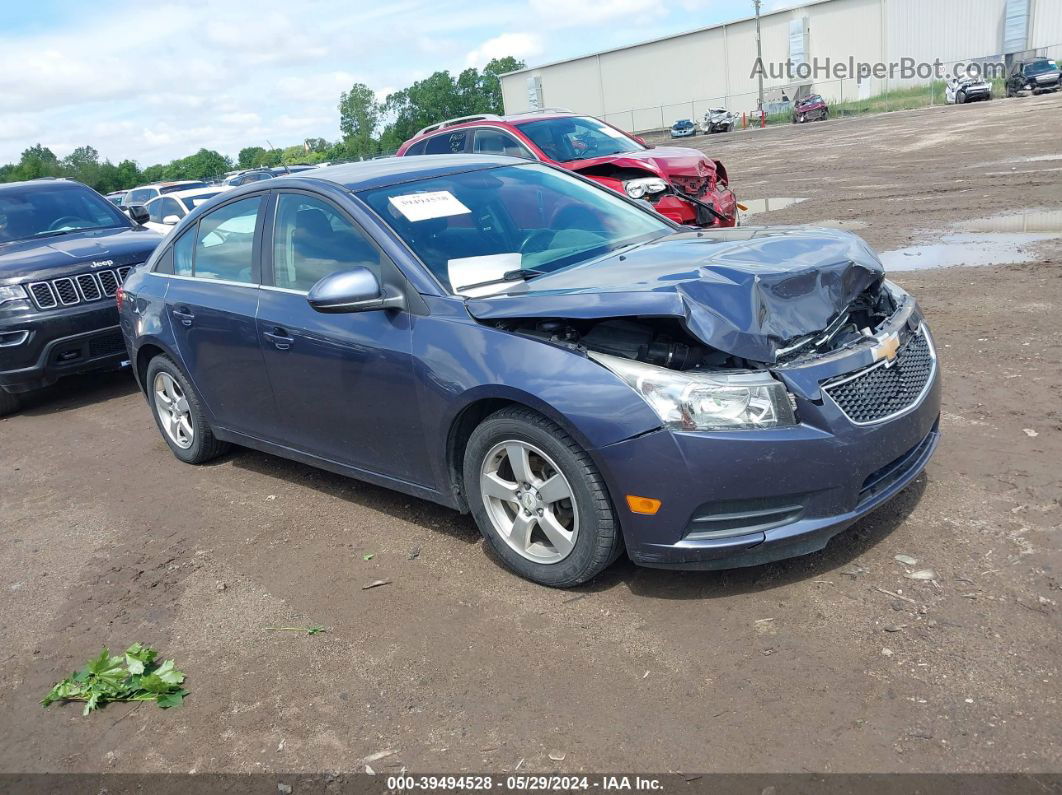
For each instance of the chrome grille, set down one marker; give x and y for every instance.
(80, 289)
(886, 388)
(90, 288)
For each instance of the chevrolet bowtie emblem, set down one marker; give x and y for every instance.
(887, 348)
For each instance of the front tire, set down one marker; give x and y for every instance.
(538, 499)
(179, 413)
(9, 402)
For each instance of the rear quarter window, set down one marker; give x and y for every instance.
(417, 148)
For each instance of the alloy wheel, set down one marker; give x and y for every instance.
(173, 410)
(529, 501)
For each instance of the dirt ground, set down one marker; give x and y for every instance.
(456, 665)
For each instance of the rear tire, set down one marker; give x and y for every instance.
(560, 535)
(9, 402)
(960, 98)
(179, 414)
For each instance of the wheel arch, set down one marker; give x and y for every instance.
(147, 350)
(478, 407)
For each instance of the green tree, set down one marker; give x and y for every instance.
(249, 156)
(153, 173)
(128, 175)
(37, 161)
(441, 96)
(83, 164)
(205, 164)
(490, 85)
(359, 112)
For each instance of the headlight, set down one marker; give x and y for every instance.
(637, 188)
(11, 292)
(703, 402)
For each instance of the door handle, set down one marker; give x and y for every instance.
(279, 337)
(184, 315)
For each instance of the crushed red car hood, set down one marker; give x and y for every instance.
(747, 292)
(664, 161)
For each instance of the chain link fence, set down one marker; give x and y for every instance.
(845, 97)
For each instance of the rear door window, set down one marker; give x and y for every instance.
(171, 206)
(447, 144)
(154, 209)
(225, 246)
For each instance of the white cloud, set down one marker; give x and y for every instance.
(15, 128)
(565, 13)
(518, 45)
(156, 81)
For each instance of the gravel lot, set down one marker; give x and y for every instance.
(805, 665)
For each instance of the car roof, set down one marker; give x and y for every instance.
(394, 170)
(53, 182)
(514, 119)
(182, 194)
(169, 183)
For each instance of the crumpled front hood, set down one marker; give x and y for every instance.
(747, 292)
(662, 160)
(50, 257)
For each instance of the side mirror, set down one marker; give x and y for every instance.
(354, 290)
(138, 213)
(171, 219)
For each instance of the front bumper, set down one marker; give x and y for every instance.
(733, 499)
(52, 344)
(684, 211)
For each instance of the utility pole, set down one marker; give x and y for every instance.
(759, 58)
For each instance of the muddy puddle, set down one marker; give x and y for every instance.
(952, 251)
(1038, 221)
(1001, 240)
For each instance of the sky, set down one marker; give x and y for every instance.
(154, 80)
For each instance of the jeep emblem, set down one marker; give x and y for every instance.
(103, 263)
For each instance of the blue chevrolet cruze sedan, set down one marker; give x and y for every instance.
(511, 340)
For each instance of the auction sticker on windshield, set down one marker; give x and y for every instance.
(424, 206)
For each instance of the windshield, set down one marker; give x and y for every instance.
(577, 137)
(45, 210)
(1038, 67)
(477, 226)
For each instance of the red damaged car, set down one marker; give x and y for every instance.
(682, 184)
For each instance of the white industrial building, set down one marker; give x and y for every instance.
(649, 85)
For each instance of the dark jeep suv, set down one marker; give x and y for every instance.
(64, 250)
